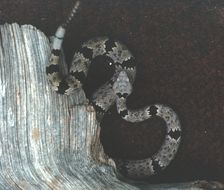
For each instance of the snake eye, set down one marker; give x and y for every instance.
(119, 95)
(125, 95)
(110, 64)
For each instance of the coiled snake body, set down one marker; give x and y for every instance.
(116, 90)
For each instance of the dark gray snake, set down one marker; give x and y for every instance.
(116, 90)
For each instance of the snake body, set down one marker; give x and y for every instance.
(116, 90)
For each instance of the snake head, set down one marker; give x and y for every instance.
(122, 86)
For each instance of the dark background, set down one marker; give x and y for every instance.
(179, 50)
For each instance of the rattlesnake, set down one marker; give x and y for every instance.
(116, 90)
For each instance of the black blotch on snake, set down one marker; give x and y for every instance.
(101, 70)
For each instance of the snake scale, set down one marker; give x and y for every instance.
(114, 91)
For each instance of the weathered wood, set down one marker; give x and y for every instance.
(50, 141)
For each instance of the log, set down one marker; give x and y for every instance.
(50, 141)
